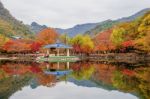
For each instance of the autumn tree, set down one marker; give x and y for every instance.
(6, 29)
(65, 38)
(35, 46)
(143, 40)
(102, 41)
(82, 44)
(117, 36)
(47, 36)
(3, 40)
(17, 46)
(137, 31)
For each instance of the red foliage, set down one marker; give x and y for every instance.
(128, 72)
(77, 48)
(35, 69)
(35, 46)
(128, 43)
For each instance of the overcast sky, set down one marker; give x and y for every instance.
(66, 13)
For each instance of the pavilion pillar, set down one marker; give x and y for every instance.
(68, 52)
(58, 65)
(47, 52)
(68, 65)
(58, 52)
(47, 66)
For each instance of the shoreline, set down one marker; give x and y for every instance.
(95, 57)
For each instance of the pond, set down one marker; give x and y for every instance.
(78, 80)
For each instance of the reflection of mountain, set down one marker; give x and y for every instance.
(85, 83)
(91, 83)
(34, 83)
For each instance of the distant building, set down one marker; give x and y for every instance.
(16, 37)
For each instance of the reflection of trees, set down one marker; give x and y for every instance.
(82, 71)
(3, 74)
(123, 82)
(10, 85)
(14, 76)
(144, 82)
(103, 74)
(46, 80)
(15, 69)
(139, 83)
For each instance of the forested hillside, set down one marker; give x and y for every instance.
(10, 26)
(110, 23)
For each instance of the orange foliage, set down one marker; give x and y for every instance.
(47, 36)
(17, 46)
(21, 46)
(46, 80)
(102, 41)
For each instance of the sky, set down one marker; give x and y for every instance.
(67, 13)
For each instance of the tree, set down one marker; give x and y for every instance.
(87, 45)
(64, 38)
(35, 46)
(117, 36)
(143, 40)
(6, 29)
(82, 44)
(47, 36)
(3, 40)
(17, 46)
(102, 41)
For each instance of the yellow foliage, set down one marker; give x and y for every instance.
(3, 40)
(5, 28)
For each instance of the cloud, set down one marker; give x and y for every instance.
(66, 13)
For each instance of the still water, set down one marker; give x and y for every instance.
(80, 80)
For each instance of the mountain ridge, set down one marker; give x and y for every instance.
(36, 28)
(111, 23)
(93, 28)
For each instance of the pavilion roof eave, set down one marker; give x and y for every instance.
(58, 45)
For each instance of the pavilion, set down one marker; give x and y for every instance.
(58, 46)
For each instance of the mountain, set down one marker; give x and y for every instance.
(90, 28)
(78, 29)
(133, 17)
(9, 23)
(36, 28)
(101, 27)
(110, 23)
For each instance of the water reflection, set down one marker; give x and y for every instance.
(67, 91)
(91, 80)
